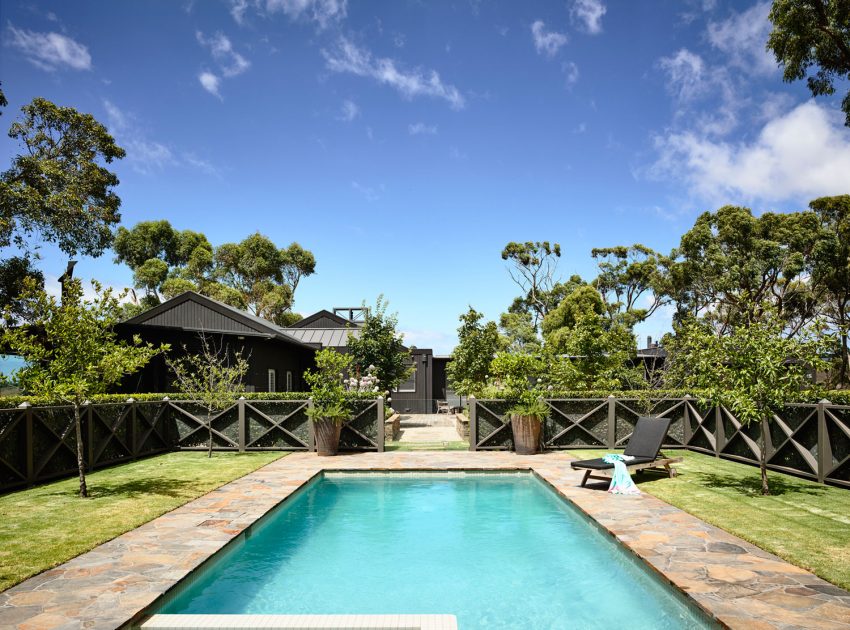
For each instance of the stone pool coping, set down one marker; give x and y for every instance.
(737, 583)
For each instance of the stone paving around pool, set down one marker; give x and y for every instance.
(734, 581)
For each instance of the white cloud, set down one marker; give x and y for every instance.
(743, 37)
(797, 156)
(323, 12)
(349, 111)
(371, 194)
(144, 155)
(571, 72)
(230, 61)
(349, 58)
(421, 129)
(49, 51)
(210, 82)
(546, 42)
(686, 74)
(588, 14)
(238, 9)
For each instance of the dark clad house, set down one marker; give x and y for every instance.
(277, 360)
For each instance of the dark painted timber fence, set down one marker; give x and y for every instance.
(809, 440)
(39, 443)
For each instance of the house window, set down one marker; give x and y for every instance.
(288, 381)
(272, 380)
(410, 384)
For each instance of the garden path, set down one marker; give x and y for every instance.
(420, 428)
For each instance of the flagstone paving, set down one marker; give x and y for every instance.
(738, 584)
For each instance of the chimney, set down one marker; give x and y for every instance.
(649, 341)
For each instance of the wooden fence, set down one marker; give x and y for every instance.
(39, 443)
(809, 440)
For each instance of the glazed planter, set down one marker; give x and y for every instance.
(526, 431)
(327, 436)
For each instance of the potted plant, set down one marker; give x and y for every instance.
(527, 416)
(330, 407)
(515, 378)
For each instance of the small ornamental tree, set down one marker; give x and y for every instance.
(326, 386)
(71, 350)
(211, 377)
(752, 369)
(477, 345)
(380, 347)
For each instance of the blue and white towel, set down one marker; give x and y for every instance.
(621, 481)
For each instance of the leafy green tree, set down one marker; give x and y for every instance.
(15, 273)
(533, 265)
(57, 187)
(266, 277)
(478, 343)
(212, 377)
(751, 367)
(813, 34)
(71, 350)
(730, 258)
(626, 276)
(831, 272)
(585, 349)
(326, 386)
(380, 346)
(519, 332)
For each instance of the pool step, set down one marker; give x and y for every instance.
(301, 622)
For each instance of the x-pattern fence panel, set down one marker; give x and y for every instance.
(810, 440)
(39, 443)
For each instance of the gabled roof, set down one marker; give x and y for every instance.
(328, 337)
(323, 319)
(196, 312)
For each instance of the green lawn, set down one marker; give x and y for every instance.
(426, 446)
(44, 526)
(806, 523)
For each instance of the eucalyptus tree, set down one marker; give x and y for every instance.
(533, 267)
(629, 276)
(813, 34)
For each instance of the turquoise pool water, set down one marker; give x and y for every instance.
(496, 550)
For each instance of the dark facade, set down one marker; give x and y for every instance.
(276, 360)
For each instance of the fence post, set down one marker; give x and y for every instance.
(28, 443)
(311, 430)
(473, 424)
(381, 420)
(686, 429)
(824, 448)
(719, 432)
(612, 421)
(241, 429)
(131, 418)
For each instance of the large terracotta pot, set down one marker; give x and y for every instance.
(327, 436)
(526, 431)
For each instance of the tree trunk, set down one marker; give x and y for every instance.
(81, 467)
(842, 374)
(209, 429)
(765, 489)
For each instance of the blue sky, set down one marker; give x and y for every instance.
(406, 142)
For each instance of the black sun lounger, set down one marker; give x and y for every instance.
(644, 445)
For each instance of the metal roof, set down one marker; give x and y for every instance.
(328, 337)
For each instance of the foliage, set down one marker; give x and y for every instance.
(628, 274)
(379, 346)
(585, 348)
(514, 378)
(211, 377)
(477, 345)
(831, 273)
(752, 368)
(57, 187)
(15, 272)
(533, 266)
(519, 332)
(58, 528)
(326, 386)
(71, 349)
(813, 33)
(730, 260)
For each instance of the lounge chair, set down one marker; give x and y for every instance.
(644, 445)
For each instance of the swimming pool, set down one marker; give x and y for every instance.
(497, 550)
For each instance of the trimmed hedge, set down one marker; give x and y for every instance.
(7, 402)
(835, 396)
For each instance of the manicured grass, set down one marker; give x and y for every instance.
(426, 446)
(806, 523)
(45, 526)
